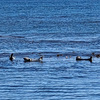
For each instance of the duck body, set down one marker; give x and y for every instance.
(11, 57)
(78, 58)
(26, 59)
(98, 55)
(59, 55)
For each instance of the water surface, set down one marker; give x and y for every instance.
(47, 28)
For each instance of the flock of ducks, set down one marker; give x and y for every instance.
(78, 58)
(26, 59)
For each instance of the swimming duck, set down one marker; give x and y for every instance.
(59, 55)
(96, 55)
(26, 59)
(11, 57)
(79, 58)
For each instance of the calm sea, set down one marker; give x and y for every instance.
(49, 27)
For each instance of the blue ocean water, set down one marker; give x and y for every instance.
(31, 28)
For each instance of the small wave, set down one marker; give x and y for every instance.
(66, 77)
(3, 67)
(61, 41)
(15, 36)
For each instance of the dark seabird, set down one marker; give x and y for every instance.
(78, 58)
(11, 57)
